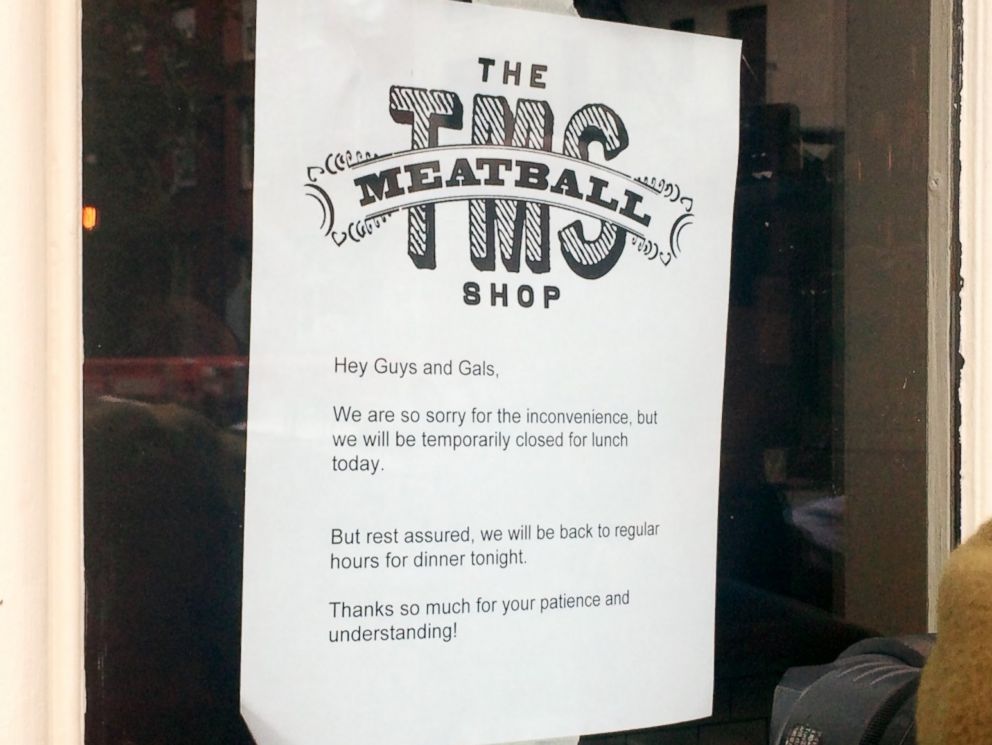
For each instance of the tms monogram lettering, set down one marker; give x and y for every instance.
(515, 230)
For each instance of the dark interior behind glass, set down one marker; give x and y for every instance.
(821, 535)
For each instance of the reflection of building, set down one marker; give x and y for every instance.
(794, 52)
(784, 415)
(180, 197)
(817, 323)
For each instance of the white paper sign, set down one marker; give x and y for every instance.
(490, 281)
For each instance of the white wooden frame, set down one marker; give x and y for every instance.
(41, 622)
(976, 268)
(940, 355)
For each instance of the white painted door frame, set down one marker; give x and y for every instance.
(976, 268)
(41, 622)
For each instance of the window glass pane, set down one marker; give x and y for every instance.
(822, 527)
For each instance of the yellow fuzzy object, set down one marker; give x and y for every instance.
(954, 706)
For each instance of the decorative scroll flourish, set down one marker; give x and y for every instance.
(668, 190)
(653, 250)
(334, 164)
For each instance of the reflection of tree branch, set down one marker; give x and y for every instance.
(747, 66)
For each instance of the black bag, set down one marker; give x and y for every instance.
(866, 697)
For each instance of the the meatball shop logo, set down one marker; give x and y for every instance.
(519, 163)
